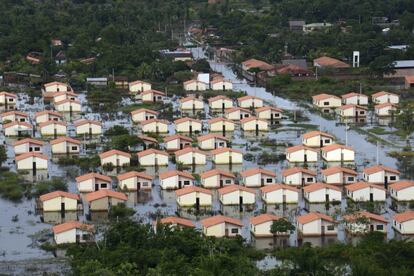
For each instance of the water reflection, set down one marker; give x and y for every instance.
(237, 211)
(138, 197)
(34, 176)
(193, 214)
(317, 241)
(97, 216)
(329, 209)
(59, 217)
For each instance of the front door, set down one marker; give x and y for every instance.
(197, 203)
(321, 143)
(305, 158)
(221, 183)
(240, 200)
(371, 197)
(327, 198)
(96, 186)
(262, 182)
(371, 227)
(226, 232)
(323, 230)
(62, 207)
(180, 184)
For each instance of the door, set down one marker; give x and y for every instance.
(154, 99)
(305, 158)
(303, 181)
(284, 199)
(371, 197)
(180, 184)
(223, 106)
(224, 130)
(197, 203)
(77, 238)
(327, 198)
(96, 186)
(371, 227)
(321, 143)
(30, 149)
(386, 181)
(271, 117)
(226, 232)
(181, 146)
(323, 230)
(241, 116)
(117, 162)
(262, 182)
(62, 207)
(139, 186)
(240, 200)
(191, 129)
(221, 183)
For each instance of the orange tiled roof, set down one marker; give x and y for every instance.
(192, 189)
(31, 154)
(314, 216)
(232, 188)
(401, 185)
(333, 170)
(28, 140)
(93, 175)
(211, 221)
(136, 111)
(335, 147)
(168, 174)
(216, 172)
(319, 186)
(379, 168)
(323, 96)
(60, 228)
(188, 150)
(134, 174)
(178, 136)
(65, 139)
(253, 171)
(263, 218)
(299, 147)
(55, 194)
(221, 150)
(211, 136)
(364, 214)
(105, 193)
(403, 217)
(178, 221)
(294, 170)
(151, 151)
(314, 133)
(275, 187)
(113, 152)
(185, 119)
(362, 185)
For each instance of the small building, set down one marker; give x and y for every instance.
(316, 224)
(121, 82)
(88, 127)
(28, 145)
(14, 116)
(93, 182)
(338, 153)
(227, 156)
(352, 111)
(403, 223)
(172, 180)
(402, 190)
(385, 110)
(298, 176)
(212, 141)
(138, 86)
(221, 226)
(188, 125)
(279, 194)
(59, 201)
(50, 88)
(261, 225)
(254, 124)
(320, 192)
(363, 222)
(258, 177)
(339, 175)
(191, 103)
(409, 82)
(135, 181)
(363, 192)
(301, 153)
(220, 84)
(48, 115)
(154, 126)
(296, 25)
(236, 195)
(68, 106)
(31, 161)
(60, 96)
(326, 102)
(355, 98)
(221, 124)
(328, 62)
(250, 68)
(383, 97)
(380, 174)
(316, 139)
(148, 142)
(153, 157)
(195, 85)
(8, 99)
(152, 96)
(269, 113)
(237, 113)
(72, 232)
(217, 178)
(17, 129)
(191, 156)
(250, 102)
(220, 102)
(103, 200)
(194, 196)
(174, 222)
(115, 157)
(177, 142)
(65, 145)
(53, 128)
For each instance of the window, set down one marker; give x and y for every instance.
(22, 120)
(11, 99)
(350, 178)
(104, 185)
(85, 237)
(55, 119)
(380, 227)
(393, 177)
(362, 112)
(145, 184)
(234, 230)
(330, 227)
(228, 181)
(37, 149)
(327, 141)
(325, 103)
(309, 179)
(277, 115)
(186, 182)
(269, 180)
(74, 148)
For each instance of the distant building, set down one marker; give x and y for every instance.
(312, 27)
(60, 58)
(296, 25)
(402, 68)
(328, 62)
(97, 81)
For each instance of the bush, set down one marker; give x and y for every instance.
(10, 186)
(55, 184)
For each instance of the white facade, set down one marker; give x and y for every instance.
(154, 126)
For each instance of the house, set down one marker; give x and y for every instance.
(189, 125)
(47, 115)
(53, 128)
(328, 62)
(8, 100)
(250, 68)
(97, 81)
(135, 181)
(352, 111)
(220, 124)
(220, 102)
(260, 226)
(194, 196)
(31, 161)
(171, 180)
(380, 174)
(53, 87)
(221, 226)
(14, 116)
(212, 141)
(338, 153)
(293, 70)
(227, 156)
(152, 96)
(17, 129)
(177, 55)
(236, 195)
(65, 145)
(59, 201)
(195, 85)
(320, 192)
(298, 176)
(72, 232)
(403, 223)
(121, 82)
(409, 82)
(316, 139)
(279, 194)
(316, 224)
(177, 142)
(60, 58)
(363, 222)
(237, 113)
(254, 124)
(385, 109)
(153, 157)
(191, 103)
(354, 98)
(115, 157)
(68, 106)
(269, 113)
(139, 86)
(383, 97)
(60, 96)
(402, 190)
(174, 222)
(258, 177)
(326, 102)
(339, 175)
(191, 156)
(88, 127)
(220, 84)
(217, 178)
(249, 102)
(103, 200)
(148, 142)
(93, 182)
(154, 126)
(301, 153)
(28, 145)
(296, 25)
(363, 191)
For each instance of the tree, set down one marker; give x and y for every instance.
(201, 65)
(382, 65)
(405, 120)
(281, 226)
(3, 154)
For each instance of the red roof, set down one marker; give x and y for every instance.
(175, 173)
(362, 185)
(403, 217)
(216, 98)
(148, 138)
(93, 175)
(299, 147)
(335, 147)
(275, 187)
(216, 172)
(55, 194)
(65, 139)
(134, 174)
(263, 218)
(188, 150)
(54, 113)
(178, 136)
(151, 151)
(294, 170)
(28, 140)
(186, 119)
(221, 150)
(364, 214)
(401, 185)
(178, 221)
(233, 188)
(265, 108)
(382, 93)
(60, 228)
(314, 133)
(219, 119)
(114, 152)
(251, 118)
(314, 216)
(323, 96)
(152, 91)
(236, 108)
(334, 170)
(84, 122)
(67, 101)
(192, 189)
(8, 94)
(60, 123)
(211, 136)
(211, 221)
(253, 171)
(154, 120)
(14, 112)
(140, 110)
(353, 94)
(18, 124)
(379, 168)
(248, 97)
(255, 63)
(319, 186)
(189, 98)
(330, 62)
(31, 154)
(105, 193)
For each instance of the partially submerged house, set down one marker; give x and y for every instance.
(217, 178)
(363, 192)
(236, 195)
(115, 157)
(135, 181)
(279, 194)
(301, 154)
(363, 222)
(320, 192)
(317, 139)
(28, 145)
(72, 232)
(153, 157)
(93, 182)
(103, 200)
(172, 180)
(258, 177)
(227, 156)
(65, 145)
(221, 226)
(298, 176)
(59, 201)
(316, 224)
(32, 161)
(194, 196)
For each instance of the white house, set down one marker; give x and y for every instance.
(402, 190)
(260, 226)
(220, 124)
(177, 142)
(60, 96)
(298, 176)
(143, 114)
(385, 97)
(237, 113)
(189, 125)
(279, 194)
(31, 161)
(17, 129)
(154, 126)
(28, 145)
(72, 232)
(139, 86)
(152, 96)
(316, 224)
(220, 102)
(258, 177)
(363, 191)
(135, 181)
(65, 145)
(212, 141)
(53, 128)
(320, 192)
(195, 85)
(191, 156)
(8, 99)
(227, 156)
(326, 102)
(403, 223)
(88, 127)
(176, 180)
(47, 115)
(68, 106)
(254, 124)
(385, 109)
(316, 139)
(59, 201)
(115, 157)
(103, 200)
(339, 175)
(147, 142)
(301, 153)
(194, 196)
(221, 226)
(220, 84)
(12, 116)
(249, 102)
(269, 113)
(355, 98)
(93, 182)
(338, 153)
(380, 174)
(191, 103)
(352, 111)
(217, 178)
(362, 222)
(153, 157)
(174, 222)
(49, 89)
(236, 195)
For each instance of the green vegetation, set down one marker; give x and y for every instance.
(84, 163)
(3, 154)
(116, 130)
(11, 186)
(44, 187)
(120, 211)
